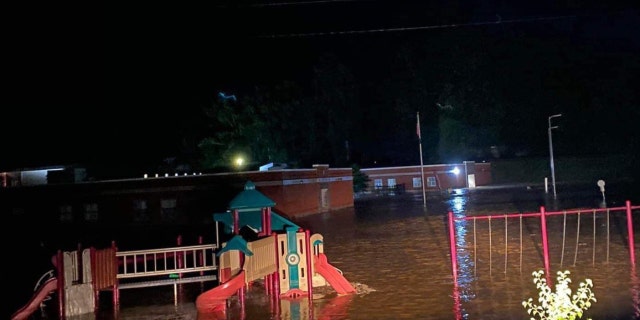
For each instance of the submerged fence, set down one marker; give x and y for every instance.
(540, 220)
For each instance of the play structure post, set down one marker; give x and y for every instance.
(79, 258)
(263, 222)
(236, 222)
(268, 226)
(116, 290)
(307, 240)
(545, 243)
(276, 275)
(217, 235)
(454, 258)
(632, 253)
(179, 254)
(60, 275)
(200, 255)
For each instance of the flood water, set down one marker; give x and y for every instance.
(397, 253)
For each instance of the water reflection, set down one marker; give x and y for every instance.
(461, 287)
(635, 291)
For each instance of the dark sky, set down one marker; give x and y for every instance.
(117, 83)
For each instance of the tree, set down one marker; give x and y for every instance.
(360, 179)
(249, 127)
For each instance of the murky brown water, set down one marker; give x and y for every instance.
(401, 252)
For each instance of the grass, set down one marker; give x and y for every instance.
(567, 169)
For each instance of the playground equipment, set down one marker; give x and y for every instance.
(464, 240)
(41, 294)
(66, 280)
(289, 259)
(79, 276)
(543, 217)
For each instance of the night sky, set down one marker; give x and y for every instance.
(119, 84)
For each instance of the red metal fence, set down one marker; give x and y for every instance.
(542, 217)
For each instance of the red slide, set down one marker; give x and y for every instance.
(43, 292)
(331, 274)
(213, 301)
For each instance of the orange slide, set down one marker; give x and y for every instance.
(331, 274)
(43, 292)
(213, 302)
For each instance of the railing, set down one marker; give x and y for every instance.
(146, 268)
(382, 190)
(262, 262)
(542, 217)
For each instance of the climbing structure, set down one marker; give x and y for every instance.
(289, 259)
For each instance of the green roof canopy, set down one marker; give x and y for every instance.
(250, 198)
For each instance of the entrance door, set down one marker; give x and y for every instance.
(471, 180)
(324, 199)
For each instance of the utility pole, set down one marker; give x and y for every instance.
(424, 193)
(553, 172)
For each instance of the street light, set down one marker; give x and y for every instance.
(239, 161)
(553, 172)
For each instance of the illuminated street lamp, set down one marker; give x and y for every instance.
(553, 172)
(239, 162)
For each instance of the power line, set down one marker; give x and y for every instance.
(287, 3)
(274, 4)
(441, 26)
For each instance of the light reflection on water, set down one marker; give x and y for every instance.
(462, 289)
(401, 250)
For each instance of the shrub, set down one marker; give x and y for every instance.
(360, 179)
(561, 304)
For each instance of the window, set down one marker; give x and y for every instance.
(66, 213)
(91, 212)
(377, 183)
(140, 211)
(17, 212)
(431, 182)
(391, 183)
(417, 182)
(168, 210)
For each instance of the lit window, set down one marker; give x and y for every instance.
(91, 212)
(66, 213)
(431, 182)
(17, 212)
(377, 183)
(168, 210)
(391, 183)
(140, 211)
(417, 182)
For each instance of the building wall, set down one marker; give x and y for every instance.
(300, 192)
(440, 174)
(196, 197)
(340, 188)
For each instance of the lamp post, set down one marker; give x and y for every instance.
(553, 172)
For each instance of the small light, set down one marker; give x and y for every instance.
(239, 161)
(455, 171)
